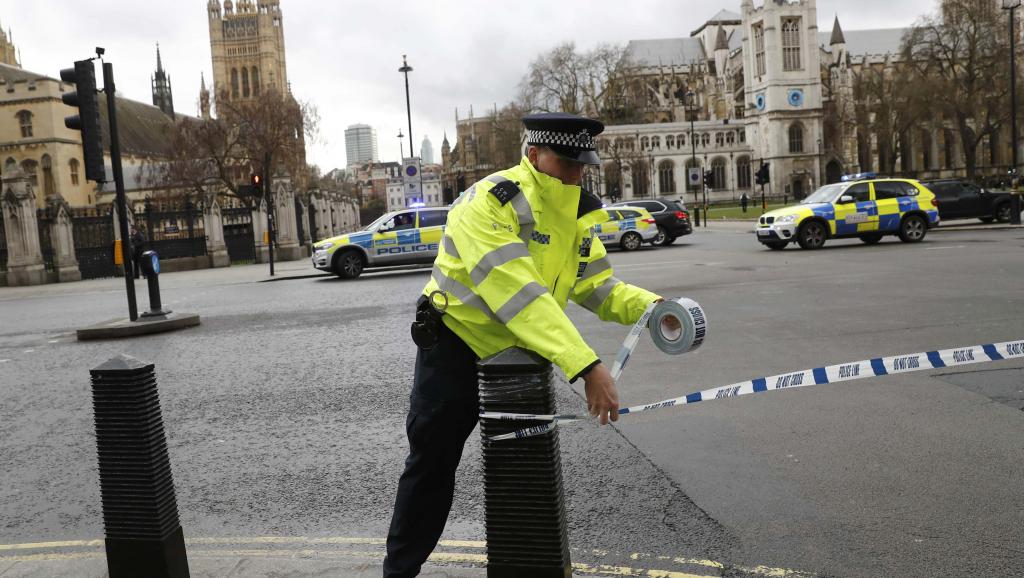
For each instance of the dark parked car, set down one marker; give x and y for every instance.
(671, 217)
(960, 199)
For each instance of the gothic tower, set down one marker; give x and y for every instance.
(161, 84)
(247, 45)
(8, 54)
(204, 98)
(782, 76)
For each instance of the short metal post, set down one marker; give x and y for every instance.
(140, 512)
(523, 498)
(1015, 208)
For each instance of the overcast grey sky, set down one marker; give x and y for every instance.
(344, 56)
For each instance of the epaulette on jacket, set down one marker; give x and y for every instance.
(505, 191)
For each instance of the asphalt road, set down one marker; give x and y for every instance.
(285, 411)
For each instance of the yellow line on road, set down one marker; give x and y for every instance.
(450, 557)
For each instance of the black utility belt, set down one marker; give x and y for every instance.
(427, 326)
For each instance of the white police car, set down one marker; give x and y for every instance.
(406, 237)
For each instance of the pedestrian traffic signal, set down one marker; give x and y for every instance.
(83, 76)
(761, 177)
(709, 179)
(257, 183)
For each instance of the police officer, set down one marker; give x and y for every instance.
(518, 245)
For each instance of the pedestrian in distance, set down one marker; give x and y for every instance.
(517, 246)
(744, 200)
(138, 241)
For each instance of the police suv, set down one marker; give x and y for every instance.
(406, 237)
(863, 206)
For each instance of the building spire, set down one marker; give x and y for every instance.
(837, 34)
(159, 63)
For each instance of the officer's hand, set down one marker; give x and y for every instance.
(602, 398)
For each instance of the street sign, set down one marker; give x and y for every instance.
(694, 176)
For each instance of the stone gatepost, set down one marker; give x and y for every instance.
(287, 247)
(24, 254)
(62, 237)
(213, 223)
(259, 230)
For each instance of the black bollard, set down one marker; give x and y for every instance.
(523, 498)
(1015, 208)
(140, 512)
(151, 269)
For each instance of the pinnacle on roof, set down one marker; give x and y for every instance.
(837, 34)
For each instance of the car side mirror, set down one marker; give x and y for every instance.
(845, 199)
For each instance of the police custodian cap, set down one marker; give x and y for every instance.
(570, 136)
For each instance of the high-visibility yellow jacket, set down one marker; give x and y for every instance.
(519, 244)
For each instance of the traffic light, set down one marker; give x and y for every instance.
(83, 75)
(257, 184)
(761, 177)
(709, 179)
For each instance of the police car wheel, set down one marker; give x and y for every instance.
(811, 235)
(871, 239)
(348, 265)
(776, 245)
(912, 229)
(631, 242)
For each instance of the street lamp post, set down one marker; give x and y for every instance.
(691, 107)
(1012, 6)
(406, 69)
(400, 143)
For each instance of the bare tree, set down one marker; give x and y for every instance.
(958, 57)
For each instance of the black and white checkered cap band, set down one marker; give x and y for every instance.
(581, 140)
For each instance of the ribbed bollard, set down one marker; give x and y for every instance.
(525, 510)
(140, 512)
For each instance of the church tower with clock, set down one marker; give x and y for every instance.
(782, 77)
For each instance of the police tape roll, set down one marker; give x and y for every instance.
(693, 324)
(850, 371)
(692, 331)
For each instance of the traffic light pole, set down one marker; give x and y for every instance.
(268, 195)
(122, 205)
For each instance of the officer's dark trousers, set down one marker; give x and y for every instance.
(443, 410)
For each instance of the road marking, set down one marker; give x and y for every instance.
(28, 351)
(449, 557)
(945, 247)
(4, 360)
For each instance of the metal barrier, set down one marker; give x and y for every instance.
(140, 512)
(524, 503)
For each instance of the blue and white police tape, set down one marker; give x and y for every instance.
(863, 369)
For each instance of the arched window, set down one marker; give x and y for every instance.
(718, 172)
(641, 179)
(656, 142)
(245, 82)
(73, 166)
(670, 141)
(947, 139)
(743, 173)
(705, 139)
(234, 83)
(30, 167)
(25, 121)
(666, 177)
(730, 138)
(613, 181)
(719, 139)
(791, 44)
(255, 81)
(796, 138)
(926, 149)
(743, 135)
(48, 186)
(10, 164)
(681, 140)
(645, 143)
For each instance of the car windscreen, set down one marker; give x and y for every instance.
(376, 224)
(825, 194)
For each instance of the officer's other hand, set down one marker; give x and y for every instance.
(602, 398)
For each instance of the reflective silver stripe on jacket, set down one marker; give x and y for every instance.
(461, 292)
(496, 258)
(449, 246)
(597, 298)
(594, 267)
(519, 301)
(525, 216)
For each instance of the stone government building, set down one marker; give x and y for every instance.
(768, 86)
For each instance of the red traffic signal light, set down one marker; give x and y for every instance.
(83, 75)
(257, 180)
